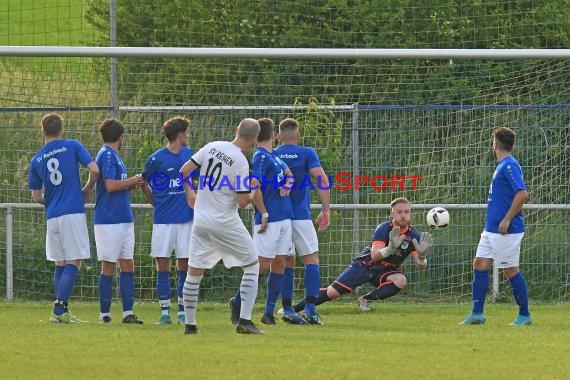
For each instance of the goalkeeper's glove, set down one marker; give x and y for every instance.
(423, 246)
(394, 241)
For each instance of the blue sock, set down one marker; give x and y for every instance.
(57, 277)
(66, 284)
(520, 292)
(237, 298)
(105, 293)
(287, 289)
(127, 288)
(181, 279)
(312, 286)
(274, 285)
(480, 287)
(163, 289)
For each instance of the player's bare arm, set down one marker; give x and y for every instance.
(519, 200)
(185, 170)
(38, 197)
(147, 192)
(113, 185)
(91, 180)
(257, 201)
(289, 182)
(323, 220)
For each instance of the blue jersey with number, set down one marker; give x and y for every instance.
(507, 181)
(56, 168)
(161, 173)
(269, 170)
(300, 160)
(115, 207)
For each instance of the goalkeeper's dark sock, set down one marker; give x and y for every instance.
(127, 289)
(105, 293)
(480, 287)
(58, 270)
(323, 297)
(181, 279)
(66, 284)
(163, 290)
(520, 293)
(274, 285)
(387, 289)
(287, 289)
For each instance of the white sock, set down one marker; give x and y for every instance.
(248, 290)
(190, 295)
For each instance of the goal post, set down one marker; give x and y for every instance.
(386, 123)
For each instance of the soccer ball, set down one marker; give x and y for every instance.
(437, 217)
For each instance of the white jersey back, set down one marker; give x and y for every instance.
(224, 172)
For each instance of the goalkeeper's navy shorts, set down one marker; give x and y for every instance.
(359, 273)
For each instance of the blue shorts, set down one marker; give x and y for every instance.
(359, 273)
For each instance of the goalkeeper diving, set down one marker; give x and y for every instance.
(379, 263)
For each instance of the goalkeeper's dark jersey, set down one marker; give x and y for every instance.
(382, 234)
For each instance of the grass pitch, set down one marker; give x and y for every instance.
(397, 341)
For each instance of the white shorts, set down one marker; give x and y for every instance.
(232, 245)
(171, 237)
(115, 241)
(276, 240)
(504, 250)
(305, 241)
(67, 238)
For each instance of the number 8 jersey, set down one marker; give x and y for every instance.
(224, 173)
(56, 168)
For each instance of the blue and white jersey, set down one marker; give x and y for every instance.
(300, 160)
(162, 174)
(507, 181)
(55, 168)
(269, 170)
(115, 207)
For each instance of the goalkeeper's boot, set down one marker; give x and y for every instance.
(60, 318)
(521, 320)
(312, 319)
(246, 326)
(132, 319)
(164, 320)
(190, 329)
(268, 319)
(290, 316)
(234, 311)
(181, 319)
(474, 319)
(364, 304)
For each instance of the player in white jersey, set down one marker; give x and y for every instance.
(273, 212)
(218, 232)
(55, 169)
(114, 223)
(304, 163)
(172, 217)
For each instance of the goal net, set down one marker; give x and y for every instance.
(384, 127)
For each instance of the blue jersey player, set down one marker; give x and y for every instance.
(379, 263)
(304, 163)
(273, 211)
(114, 223)
(504, 229)
(55, 169)
(172, 217)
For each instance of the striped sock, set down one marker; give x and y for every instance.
(190, 297)
(248, 290)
